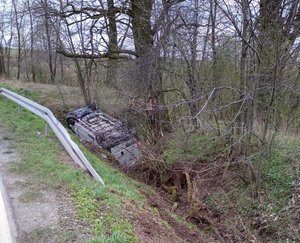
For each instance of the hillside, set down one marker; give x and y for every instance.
(211, 196)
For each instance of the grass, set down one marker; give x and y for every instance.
(110, 213)
(100, 207)
(279, 173)
(191, 147)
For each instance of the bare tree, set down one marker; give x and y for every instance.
(18, 22)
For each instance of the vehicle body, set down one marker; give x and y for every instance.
(95, 126)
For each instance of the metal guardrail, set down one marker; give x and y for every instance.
(59, 130)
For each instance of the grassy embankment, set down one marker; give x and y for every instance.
(268, 219)
(41, 157)
(102, 209)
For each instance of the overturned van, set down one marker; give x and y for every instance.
(95, 126)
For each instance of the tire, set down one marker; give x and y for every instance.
(71, 121)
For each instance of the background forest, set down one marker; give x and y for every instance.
(210, 86)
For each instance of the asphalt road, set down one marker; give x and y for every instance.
(30, 210)
(6, 221)
(8, 232)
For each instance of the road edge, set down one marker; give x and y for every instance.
(7, 219)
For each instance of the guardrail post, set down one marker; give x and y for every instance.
(19, 110)
(59, 130)
(47, 129)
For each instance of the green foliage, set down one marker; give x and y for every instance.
(280, 172)
(269, 215)
(191, 147)
(237, 198)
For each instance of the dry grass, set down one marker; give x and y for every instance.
(62, 98)
(52, 94)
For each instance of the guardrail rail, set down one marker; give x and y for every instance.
(59, 130)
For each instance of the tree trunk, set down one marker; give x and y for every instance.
(272, 59)
(191, 80)
(51, 59)
(18, 28)
(2, 63)
(80, 77)
(31, 43)
(112, 45)
(243, 65)
(149, 72)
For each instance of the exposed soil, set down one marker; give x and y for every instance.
(184, 188)
(154, 224)
(41, 214)
(149, 226)
(215, 177)
(160, 226)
